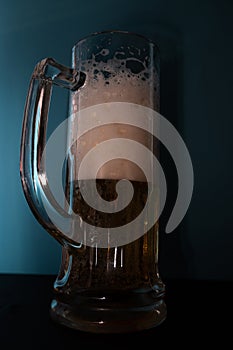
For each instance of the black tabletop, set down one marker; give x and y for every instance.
(199, 312)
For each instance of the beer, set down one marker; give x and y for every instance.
(129, 266)
(116, 287)
(115, 277)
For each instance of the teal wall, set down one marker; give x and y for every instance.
(195, 40)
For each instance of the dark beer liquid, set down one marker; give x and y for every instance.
(104, 286)
(131, 266)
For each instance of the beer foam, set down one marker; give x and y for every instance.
(118, 79)
(108, 80)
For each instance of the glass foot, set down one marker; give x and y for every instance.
(110, 314)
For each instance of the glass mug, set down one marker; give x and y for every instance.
(108, 280)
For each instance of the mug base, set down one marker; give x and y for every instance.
(97, 315)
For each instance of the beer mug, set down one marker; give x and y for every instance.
(89, 183)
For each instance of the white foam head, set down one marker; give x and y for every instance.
(117, 79)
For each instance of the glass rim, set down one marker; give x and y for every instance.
(112, 31)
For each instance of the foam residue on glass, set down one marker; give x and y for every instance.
(119, 74)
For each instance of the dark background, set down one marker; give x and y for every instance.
(196, 52)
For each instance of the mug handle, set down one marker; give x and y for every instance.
(33, 139)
